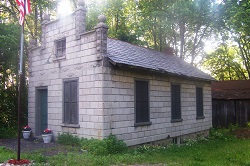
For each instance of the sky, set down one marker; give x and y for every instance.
(64, 8)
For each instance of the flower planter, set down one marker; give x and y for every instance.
(47, 138)
(26, 134)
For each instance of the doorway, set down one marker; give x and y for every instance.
(41, 110)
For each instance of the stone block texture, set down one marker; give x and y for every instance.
(119, 107)
(80, 63)
(106, 94)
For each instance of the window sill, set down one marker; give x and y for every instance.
(59, 58)
(176, 120)
(142, 124)
(200, 117)
(70, 125)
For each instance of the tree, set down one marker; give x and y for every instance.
(183, 25)
(10, 14)
(192, 25)
(9, 47)
(119, 15)
(235, 16)
(225, 63)
(94, 10)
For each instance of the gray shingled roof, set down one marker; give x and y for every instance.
(121, 53)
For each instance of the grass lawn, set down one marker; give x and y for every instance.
(219, 151)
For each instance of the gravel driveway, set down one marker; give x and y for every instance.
(33, 145)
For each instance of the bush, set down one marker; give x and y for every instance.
(114, 145)
(8, 132)
(233, 127)
(95, 146)
(68, 139)
(109, 145)
(215, 134)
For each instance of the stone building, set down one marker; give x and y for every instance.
(89, 85)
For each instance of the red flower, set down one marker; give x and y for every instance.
(47, 131)
(20, 162)
(26, 128)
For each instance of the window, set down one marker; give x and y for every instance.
(141, 103)
(61, 48)
(199, 102)
(175, 103)
(70, 111)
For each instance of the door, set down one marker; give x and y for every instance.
(41, 111)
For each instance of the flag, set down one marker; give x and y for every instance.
(24, 7)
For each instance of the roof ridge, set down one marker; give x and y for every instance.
(124, 53)
(141, 47)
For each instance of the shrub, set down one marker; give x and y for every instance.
(68, 139)
(95, 146)
(109, 145)
(248, 124)
(214, 134)
(114, 145)
(8, 132)
(190, 142)
(233, 127)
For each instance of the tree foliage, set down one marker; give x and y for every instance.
(236, 28)
(225, 64)
(183, 25)
(9, 48)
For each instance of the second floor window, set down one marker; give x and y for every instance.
(61, 48)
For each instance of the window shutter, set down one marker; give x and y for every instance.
(145, 102)
(199, 102)
(142, 102)
(70, 102)
(67, 102)
(64, 47)
(74, 115)
(138, 102)
(175, 101)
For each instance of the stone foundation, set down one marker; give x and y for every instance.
(177, 140)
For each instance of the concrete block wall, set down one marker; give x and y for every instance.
(80, 63)
(119, 107)
(106, 95)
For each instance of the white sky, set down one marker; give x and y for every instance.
(64, 8)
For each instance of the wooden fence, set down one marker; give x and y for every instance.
(226, 112)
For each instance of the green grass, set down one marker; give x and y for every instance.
(6, 154)
(215, 152)
(220, 151)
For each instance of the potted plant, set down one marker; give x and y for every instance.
(47, 135)
(26, 132)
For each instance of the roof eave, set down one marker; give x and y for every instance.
(158, 71)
